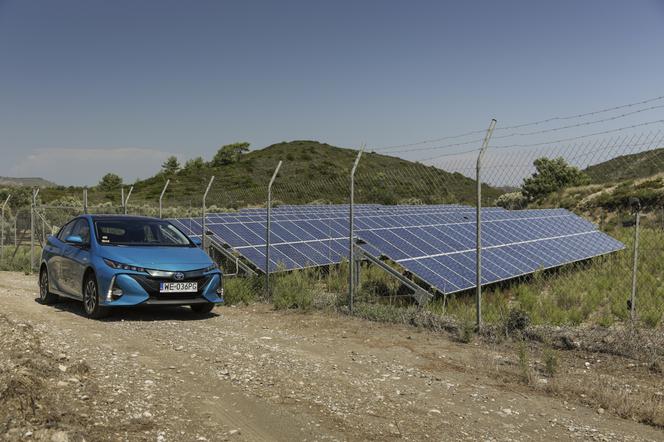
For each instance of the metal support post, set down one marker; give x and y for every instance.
(35, 192)
(478, 221)
(161, 197)
(85, 200)
(351, 233)
(204, 231)
(2, 228)
(122, 202)
(126, 201)
(268, 230)
(632, 299)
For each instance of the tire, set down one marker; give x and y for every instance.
(91, 306)
(45, 295)
(203, 308)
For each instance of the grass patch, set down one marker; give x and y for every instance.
(239, 290)
(19, 262)
(523, 357)
(295, 290)
(593, 292)
(550, 360)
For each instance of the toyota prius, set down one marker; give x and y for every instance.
(109, 261)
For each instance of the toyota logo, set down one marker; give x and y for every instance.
(178, 276)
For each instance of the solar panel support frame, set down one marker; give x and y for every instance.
(421, 296)
(238, 263)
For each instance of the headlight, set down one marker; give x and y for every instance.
(212, 267)
(120, 266)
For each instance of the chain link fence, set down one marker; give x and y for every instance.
(614, 182)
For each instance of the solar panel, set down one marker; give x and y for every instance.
(436, 243)
(514, 243)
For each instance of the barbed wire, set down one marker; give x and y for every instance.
(534, 123)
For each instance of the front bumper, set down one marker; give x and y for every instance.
(139, 288)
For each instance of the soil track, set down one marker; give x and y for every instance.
(254, 374)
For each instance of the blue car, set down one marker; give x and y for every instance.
(118, 261)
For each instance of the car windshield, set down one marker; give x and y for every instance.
(139, 232)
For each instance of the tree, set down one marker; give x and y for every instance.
(551, 176)
(511, 201)
(194, 165)
(229, 154)
(110, 181)
(170, 166)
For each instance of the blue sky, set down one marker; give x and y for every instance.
(91, 86)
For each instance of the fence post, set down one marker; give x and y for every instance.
(161, 197)
(35, 192)
(478, 221)
(126, 201)
(85, 200)
(2, 229)
(203, 232)
(632, 299)
(351, 231)
(267, 230)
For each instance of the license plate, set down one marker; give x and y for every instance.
(178, 287)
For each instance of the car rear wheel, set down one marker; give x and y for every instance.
(45, 295)
(201, 309)
(91, 305)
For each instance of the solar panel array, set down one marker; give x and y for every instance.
(436, 243)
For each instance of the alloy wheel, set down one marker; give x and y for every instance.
(90, 297)
(43, 285)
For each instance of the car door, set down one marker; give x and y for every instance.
(56, 249)
(76, 258)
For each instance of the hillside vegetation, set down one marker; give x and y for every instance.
(311, 172)
(627, 167)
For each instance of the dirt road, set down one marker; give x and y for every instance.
(254, 374)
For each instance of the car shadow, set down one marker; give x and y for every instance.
(139, 313)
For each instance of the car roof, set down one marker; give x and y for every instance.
(127, 218)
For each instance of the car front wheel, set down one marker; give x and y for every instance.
(45, 295)
(91, 299)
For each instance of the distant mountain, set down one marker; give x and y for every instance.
(27, 182)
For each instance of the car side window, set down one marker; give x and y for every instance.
(66, 230)
(82, 229)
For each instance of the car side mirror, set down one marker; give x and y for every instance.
(197, 241)
(75, 240)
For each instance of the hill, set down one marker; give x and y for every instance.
(27, 182)
(311, 172)
(628, 167)
(314, 171)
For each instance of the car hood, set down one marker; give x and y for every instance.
(159, 258)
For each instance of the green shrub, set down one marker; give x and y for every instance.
(294, 290)
(517, 321)
(465, 330)
(377, 283)
(239, 290)
(525, 371)
(336, 280)
(550, 359)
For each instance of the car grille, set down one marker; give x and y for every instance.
(151, 285)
